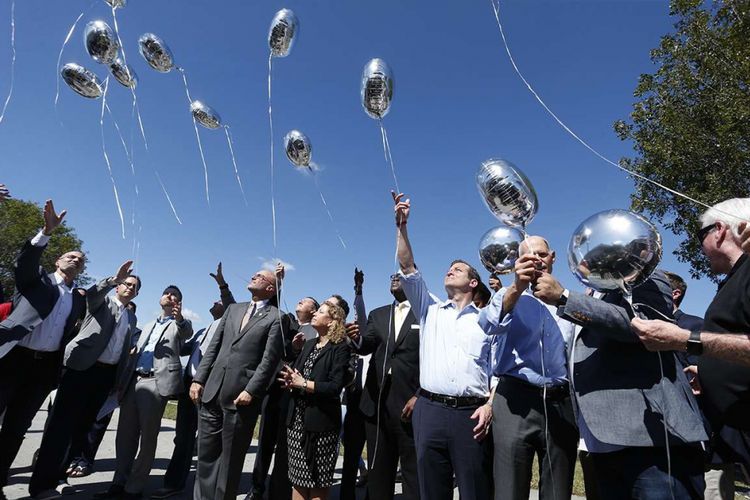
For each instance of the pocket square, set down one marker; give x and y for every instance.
(415, 327)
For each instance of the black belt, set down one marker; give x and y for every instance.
(454, 401)
(38, 354)
(104, 365)
(553, 392)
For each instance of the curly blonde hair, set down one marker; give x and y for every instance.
(336, 329)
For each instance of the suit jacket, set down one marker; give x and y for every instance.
(241, 360)
(329, 372)
(167, 367)
(96, 331)
(401, 357)
(35, 297)
(618, 385)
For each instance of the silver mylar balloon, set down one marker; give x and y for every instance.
(81, 80)
(156, 52)
(282, 33)
(117, 3)
(101, 42)
(377, 88)
(507, 192)
(205, 115)
(499, 249)
(298, 148)
(123, 73)
(614, 250)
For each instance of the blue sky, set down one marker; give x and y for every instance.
(457, 102)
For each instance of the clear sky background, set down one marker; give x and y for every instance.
(457, 102)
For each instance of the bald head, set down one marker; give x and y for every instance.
(263, 285)
(541, 249)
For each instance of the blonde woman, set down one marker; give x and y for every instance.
(314, 420)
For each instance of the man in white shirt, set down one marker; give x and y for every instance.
(452, 415)
(46, 308)
(93, 360)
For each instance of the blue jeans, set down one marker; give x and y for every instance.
(642, 473)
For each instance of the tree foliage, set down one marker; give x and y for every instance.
(690, 124)
(19, 221)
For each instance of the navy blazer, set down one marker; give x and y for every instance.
(329, 372)
(35, 297)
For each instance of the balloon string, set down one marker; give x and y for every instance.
(234, 162)
(270, 125)
(158, 177)
(13, 59)
(59, 57)
(127, 69)
(106, 157)
(197, 135)
(387, 153)
(325, 205)
(496, 9)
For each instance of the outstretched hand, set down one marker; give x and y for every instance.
(359, 280)
(280, 272)
(218, 276)
(51, 218)
(124, 272)
(402, 208)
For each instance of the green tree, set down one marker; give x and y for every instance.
(19, 221)
(690, 125)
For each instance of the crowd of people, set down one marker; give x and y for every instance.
(458, 393)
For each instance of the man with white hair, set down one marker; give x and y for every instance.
(724, 383)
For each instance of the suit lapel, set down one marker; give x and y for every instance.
(409, 320)
(259, 314)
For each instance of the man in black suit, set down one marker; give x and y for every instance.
(230, 383)
(46, 309)
(392, 337)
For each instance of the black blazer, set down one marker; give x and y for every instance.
(401, 357)
(329, 372)
(35, 297)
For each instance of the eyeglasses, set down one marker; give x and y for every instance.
(129, 285)
(262, 278)
(704, 232)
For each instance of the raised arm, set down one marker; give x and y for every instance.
(405, 254)
(226, 295)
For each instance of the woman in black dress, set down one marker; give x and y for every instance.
(314, 420)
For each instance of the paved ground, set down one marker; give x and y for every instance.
(100, 480)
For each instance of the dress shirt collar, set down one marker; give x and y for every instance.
(450, 303)
(120, 305)
(260, 304)
(60, 281)
(165, 319)
(403, 305)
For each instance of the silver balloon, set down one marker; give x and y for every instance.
(377, 88)
(499, 249)
(614, 250)
(282, 33)
(298, 148)
(81, 80)
(123, 73)
(507, 192)
(101, 42)
(205, 115)
(156, 52)
(117, 3)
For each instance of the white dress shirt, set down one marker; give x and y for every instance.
(200, 349)
(111, 354)
(455, 353)
(47, 336)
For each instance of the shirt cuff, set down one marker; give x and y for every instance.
(40, 239)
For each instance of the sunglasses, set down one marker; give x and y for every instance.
(704, 232)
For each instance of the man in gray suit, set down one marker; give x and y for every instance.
(233, 376)
(157, 378)
(94, 360)
(631, 402)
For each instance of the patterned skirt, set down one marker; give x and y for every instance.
(312, 455)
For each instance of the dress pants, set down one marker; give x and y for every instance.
(137, 432)
(642, 473)
(521, 430)
(25, 382)
(80, 396)
(445, 444)
(270, 422)
(389, 439)
(186, 426)
(224, 437)
(354, 442)
(280, 487)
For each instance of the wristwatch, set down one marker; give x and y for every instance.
(694, 344)
(563, 298)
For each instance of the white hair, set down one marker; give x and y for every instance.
(730, 212)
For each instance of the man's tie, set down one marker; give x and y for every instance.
(399, 316)
(250, 312)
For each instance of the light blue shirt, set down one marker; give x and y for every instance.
(455, 353)
(536, 339)
(146, 357)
